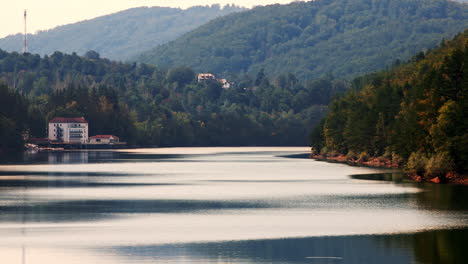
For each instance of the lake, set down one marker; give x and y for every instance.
(222, 205)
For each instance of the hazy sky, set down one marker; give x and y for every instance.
(46, 14)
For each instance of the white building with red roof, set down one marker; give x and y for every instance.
(68, 129)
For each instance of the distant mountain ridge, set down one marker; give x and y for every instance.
(120, 35)
(343, 37)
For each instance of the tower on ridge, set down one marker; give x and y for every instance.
(25, 40)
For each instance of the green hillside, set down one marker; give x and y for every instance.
(15, 118)
(149, 106)
(415, 114)
(121, 35)
(342, 37)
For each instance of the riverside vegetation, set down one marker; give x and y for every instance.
(148, 106)
(413, 115)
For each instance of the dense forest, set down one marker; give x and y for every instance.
(342, 37)
(121, 35)
(15, 118)
(145, 105)
(414, 114)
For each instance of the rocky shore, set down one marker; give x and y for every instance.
(371, 162)
(451, 178)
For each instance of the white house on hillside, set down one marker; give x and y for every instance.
(225, 83)
(205, 76)
(68, 129)
(209, 76)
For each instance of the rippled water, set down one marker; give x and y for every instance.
(222, 205)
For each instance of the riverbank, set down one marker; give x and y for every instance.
(451, 178)
(370, 162)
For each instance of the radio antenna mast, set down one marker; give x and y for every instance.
(25, 40)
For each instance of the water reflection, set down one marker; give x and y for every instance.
(28, 183)
(68, 211)
(63, 174)
(222, 206)
(432, 247)
(106, 156)
(441, 246)
(396, 177)
(433, 197)
(84, 156)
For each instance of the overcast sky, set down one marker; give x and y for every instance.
(46, 14)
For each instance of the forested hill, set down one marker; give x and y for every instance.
(148, 106)
(342, 37)
(415, 114)
(121, 35)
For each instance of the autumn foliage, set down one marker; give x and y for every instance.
(416, 111)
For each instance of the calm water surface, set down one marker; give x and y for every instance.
(222, 205)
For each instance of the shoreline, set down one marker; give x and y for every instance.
(371, 162)
(450, 178)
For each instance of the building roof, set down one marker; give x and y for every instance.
(68, 120)
(206, 76)
(103, 136)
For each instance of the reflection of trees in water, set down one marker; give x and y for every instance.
(443, 197)
(83, 156)
(439, 246)
(396, 177)
(432, 197)
(442, 246)
(313, 250)
(430, 247)
(68, 157)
